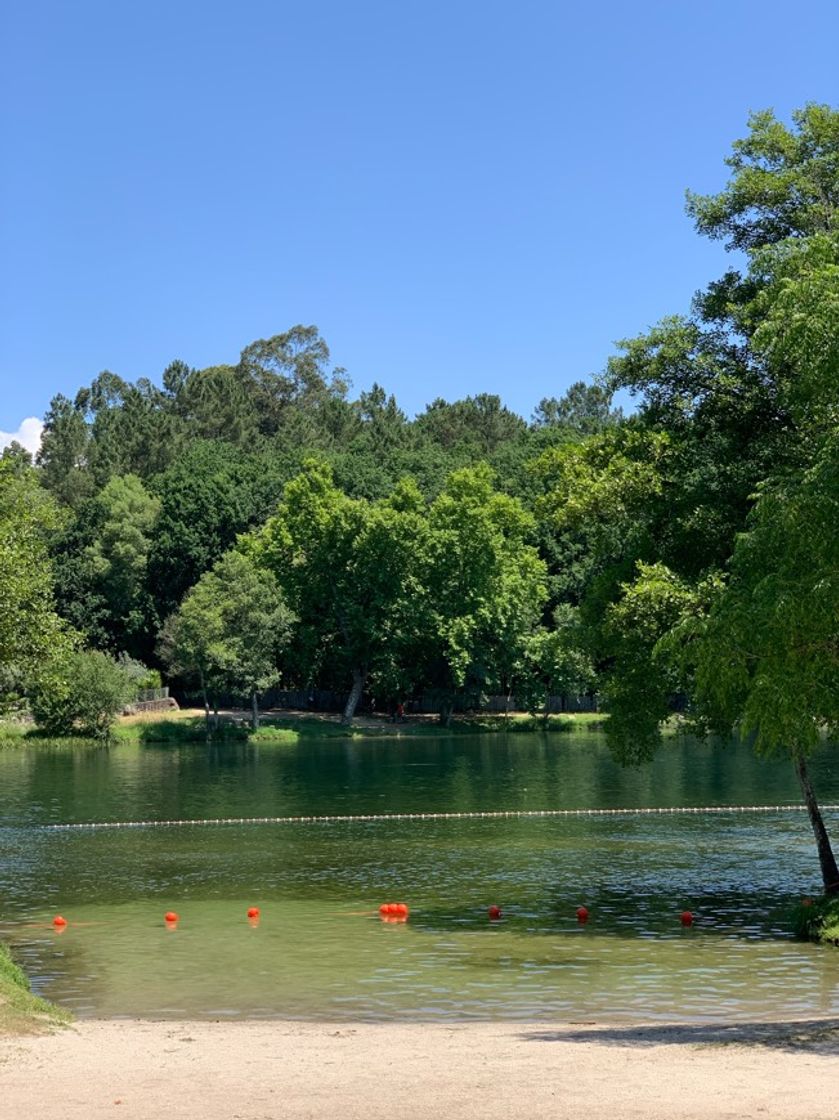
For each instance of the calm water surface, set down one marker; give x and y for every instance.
(320, 950)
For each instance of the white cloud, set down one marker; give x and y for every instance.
(28, 434)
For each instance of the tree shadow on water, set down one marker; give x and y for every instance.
(814, 1036)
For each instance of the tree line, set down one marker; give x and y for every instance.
(250, 523)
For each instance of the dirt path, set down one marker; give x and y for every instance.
(138, 1070)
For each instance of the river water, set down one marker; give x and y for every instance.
(319, 948)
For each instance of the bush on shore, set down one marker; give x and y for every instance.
(82, 694)
(817, 919)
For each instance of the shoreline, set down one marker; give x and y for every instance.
(286, 726)
(260, 1069)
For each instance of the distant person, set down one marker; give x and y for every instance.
(400, 713)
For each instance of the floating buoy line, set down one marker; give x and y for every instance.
(502, 814)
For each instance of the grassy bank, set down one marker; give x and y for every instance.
(379, 727)
(188, 726)
(20, 1011)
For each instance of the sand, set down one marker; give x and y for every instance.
(271, 1070)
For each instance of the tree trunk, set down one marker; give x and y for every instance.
(206, 707)
(254, 712)
(827, 860)
(359, 676)
(446, 713)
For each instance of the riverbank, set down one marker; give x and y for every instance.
(20, 1011)
(296, 1070)
(188, 726)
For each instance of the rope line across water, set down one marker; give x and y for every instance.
(503, 814)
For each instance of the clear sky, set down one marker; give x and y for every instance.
(464, 196)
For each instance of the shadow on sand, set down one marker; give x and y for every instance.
(818, 1036)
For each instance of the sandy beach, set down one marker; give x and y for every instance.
(293, 1070)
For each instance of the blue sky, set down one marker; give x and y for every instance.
(464, 197)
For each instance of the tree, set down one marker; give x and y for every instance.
(133, 428)
(398, 593)
(709, 380)
(210, 494)
(601, 508)
(29, 626)
(349, 570)
(175, 378)
(797, 311)
(721, 391)
(286, 373)
(63, 455)
(767, 657)
(479, 424)
(639, 684)
(17, 454)
(584, 409)
(230, 630)
(753, 379)
(485, 587)
(784, 182)
(126, 515)
(384, 425)
(187, 643)
(216, 405)
(101, 567)
(81, 692)
(556, 661)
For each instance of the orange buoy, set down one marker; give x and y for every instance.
(170, 916)
(59, 922)
(686, 918)
(494, 913)
(253, 912)
(582, 915)
(393, 912)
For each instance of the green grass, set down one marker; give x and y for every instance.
(173, 731)
(269, 733)
(20, 735)
(20, 1011)
(191, 729)
(817, 919)
(521, 721)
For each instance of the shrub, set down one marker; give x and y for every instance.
(81, 694)
(150, 679)
(817, 919)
